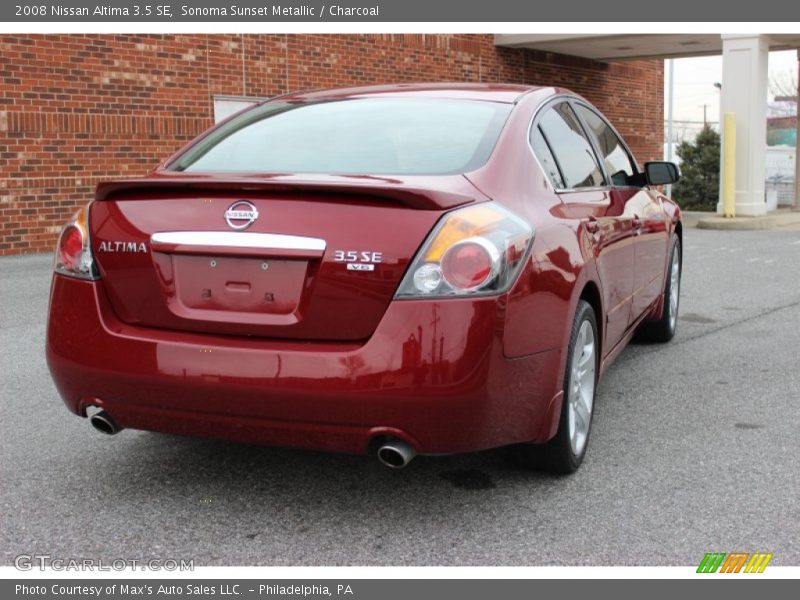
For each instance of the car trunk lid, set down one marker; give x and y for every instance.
(311, 258)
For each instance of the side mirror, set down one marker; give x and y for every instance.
(661, 172)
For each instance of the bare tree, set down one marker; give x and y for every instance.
(783, 87)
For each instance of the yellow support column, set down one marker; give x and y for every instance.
(729, 166)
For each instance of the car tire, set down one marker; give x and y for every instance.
(663, 330)
(564, 453)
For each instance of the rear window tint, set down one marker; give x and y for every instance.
(358, 136)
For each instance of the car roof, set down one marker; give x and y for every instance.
(492, 92)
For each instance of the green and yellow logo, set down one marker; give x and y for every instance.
(734, 562)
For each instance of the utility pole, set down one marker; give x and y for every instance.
(671, 98)
(797, 140)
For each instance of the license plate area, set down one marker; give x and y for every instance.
(233, 289)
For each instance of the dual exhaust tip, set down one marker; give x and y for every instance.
(103, 422)
(393, 453)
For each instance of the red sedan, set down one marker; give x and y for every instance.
(396, 270)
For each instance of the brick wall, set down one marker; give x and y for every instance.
(75, 109)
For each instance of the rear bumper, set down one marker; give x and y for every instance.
(433, 373)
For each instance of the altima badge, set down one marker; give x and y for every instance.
(241, 214)
(120, 246)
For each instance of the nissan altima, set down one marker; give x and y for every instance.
(393, 270)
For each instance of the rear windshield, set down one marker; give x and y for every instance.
(357, 136)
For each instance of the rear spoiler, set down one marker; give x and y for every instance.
(395, 190)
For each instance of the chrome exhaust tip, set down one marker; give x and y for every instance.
(396, 454)
(103, 423)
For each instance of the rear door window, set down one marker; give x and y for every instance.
(618, 163)
(570, 148)
(546, 158)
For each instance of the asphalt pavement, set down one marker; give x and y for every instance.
(694, 449)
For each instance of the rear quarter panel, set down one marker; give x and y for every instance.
(541, 303)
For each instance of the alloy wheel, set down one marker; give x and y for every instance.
(674, 288)
(581, 392)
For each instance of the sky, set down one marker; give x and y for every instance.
(694, 83)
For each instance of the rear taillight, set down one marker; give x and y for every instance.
(477, 250)
(73, 254)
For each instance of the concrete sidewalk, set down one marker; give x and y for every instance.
(779, 219)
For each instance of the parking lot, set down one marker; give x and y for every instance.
(694, 448)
